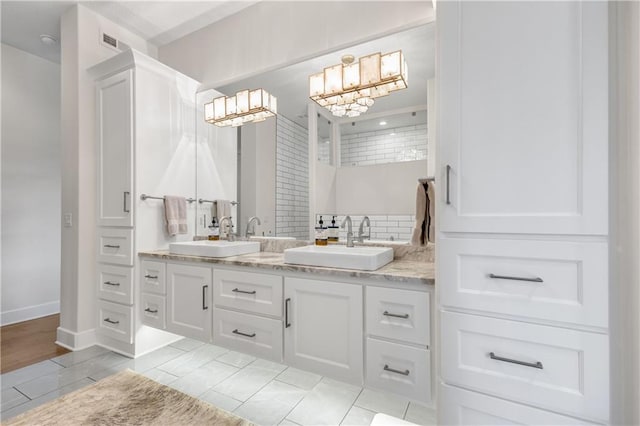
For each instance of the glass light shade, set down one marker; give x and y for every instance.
(333, 79)
(231, 105)
(370, 69)
(351, 76)
(219, 108)
(255, 99)
(242, 102)
(316, 84)
(208, 111)
(391, 65)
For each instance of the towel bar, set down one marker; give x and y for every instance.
(145, 196)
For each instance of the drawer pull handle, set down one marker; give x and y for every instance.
(389, 314)
(151, 277)
(204, 297)
(151, 311)
(110, 321)
(287, 301)
(537, 364)
(111, 246)
(243, 334)
(125, 205)
(235, 290)
(112, 283)
(393, 370)
(507, 277)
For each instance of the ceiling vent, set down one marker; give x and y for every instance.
(111, 42)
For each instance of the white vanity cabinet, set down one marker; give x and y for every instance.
(522, 248)
(137, 141)
(189, 301)
(323, 328)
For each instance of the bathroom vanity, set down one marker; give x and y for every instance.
(368, 328)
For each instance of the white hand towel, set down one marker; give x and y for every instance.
(418, 235)
(431, 213)
(175, 211)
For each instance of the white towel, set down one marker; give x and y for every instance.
(431, 213)
(175, 211)
(418, 235)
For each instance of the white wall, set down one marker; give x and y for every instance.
(30, 186)
(625, 212)
(381, 189)
(80, 47)
(272, 34)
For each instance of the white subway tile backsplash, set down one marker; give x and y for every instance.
(406, 144)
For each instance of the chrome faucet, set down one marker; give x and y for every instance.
(347, 220)
(251, 226)
(361, 236)
(230, 236)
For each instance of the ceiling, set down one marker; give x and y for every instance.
(290, 85)
(159, 22)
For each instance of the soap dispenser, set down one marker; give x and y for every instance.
(214, 230)
(321, 234)
(333, 231)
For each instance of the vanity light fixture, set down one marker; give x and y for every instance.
(245, 106)
(348, 89)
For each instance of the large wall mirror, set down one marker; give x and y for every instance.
(307, 162)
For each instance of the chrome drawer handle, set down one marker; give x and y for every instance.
(235, 290)
(111, 246)
(507, 277)
(537, 364)
(113, 284)
(151, 277)
(151, 311)
(392, 370)
(243, 334)
(388, 314)
(110, 321)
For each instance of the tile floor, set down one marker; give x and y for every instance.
(261, 391)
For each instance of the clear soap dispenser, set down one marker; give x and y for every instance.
(333, 231)
(321, 234)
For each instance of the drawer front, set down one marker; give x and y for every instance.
(553, 368)
(115, 246)
(401, 369)
(255, 293)
(153, 276)
(248, 333)
(115, 321)
(563, 281)
(154, 310)
(398, 314)
(462, 407)
(115, 283)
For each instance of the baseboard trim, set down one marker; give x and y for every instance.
(29, 313)
(75, 341)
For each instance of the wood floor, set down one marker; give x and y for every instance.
(29, 342)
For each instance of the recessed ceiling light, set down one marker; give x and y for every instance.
(47, 39)
(383, 123)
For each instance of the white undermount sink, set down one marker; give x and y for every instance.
(220, 248)
(336, 256)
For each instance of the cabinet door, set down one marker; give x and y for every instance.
(114, 97)
(523, 117)
(189, 301)
(323, 328)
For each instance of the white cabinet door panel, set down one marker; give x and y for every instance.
(256, 293)
(153, 277)
(189, 301)
(115, 142)
(523, 117)
(548, 280)
(323, 328)
(115, 283)
(549, 367)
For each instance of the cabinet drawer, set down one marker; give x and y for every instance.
(398, 314)
(115, 321)
(462, 407)
(255, 293)
(154, 310)
(400, 369)
(153, 277)
(549, 280)
(550, 367)
(115, 246)
(248, 333)
(115, 283)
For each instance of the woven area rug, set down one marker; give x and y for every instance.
(127, 398)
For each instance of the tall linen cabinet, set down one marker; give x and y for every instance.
(522, 248)
(145, 135)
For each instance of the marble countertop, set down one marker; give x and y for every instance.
(400, 270)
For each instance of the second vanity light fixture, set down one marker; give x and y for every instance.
(348, 89)
(244, 107)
